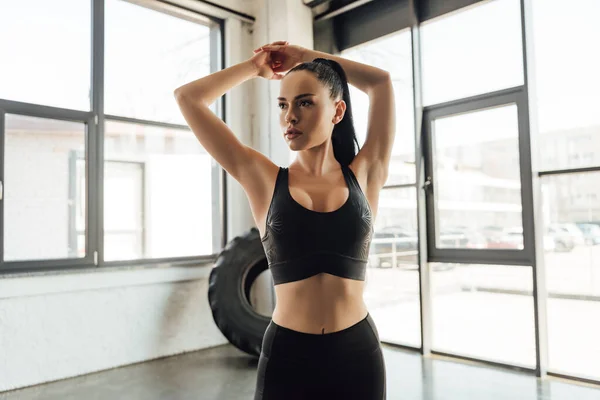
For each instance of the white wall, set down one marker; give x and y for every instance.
(62, 324)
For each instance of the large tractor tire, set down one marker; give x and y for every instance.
(237, 267)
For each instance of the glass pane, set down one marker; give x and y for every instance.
(484, 312)
(474, 51)
(44, 189)
(80, 204)
(567, 83)
(392, 288)
(145, 65)
(124, 205)
(158, 194)
(477, 180)
(392, 53)
(46, 52)
(571, 213)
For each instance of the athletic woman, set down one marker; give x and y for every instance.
(315, 217)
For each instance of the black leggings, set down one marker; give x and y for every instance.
(346, 364)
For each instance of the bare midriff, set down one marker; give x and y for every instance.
(320, 304)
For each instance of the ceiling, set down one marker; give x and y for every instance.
(321, 8)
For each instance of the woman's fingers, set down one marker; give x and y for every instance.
(279, 42)
(272, 48)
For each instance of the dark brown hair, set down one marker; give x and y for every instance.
(331, 74)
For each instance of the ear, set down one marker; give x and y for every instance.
(340, 110)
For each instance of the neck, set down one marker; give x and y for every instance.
(317, 161)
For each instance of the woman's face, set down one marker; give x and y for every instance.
(304, 104)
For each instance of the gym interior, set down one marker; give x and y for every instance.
(484, 268)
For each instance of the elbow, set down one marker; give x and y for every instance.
(182, 91)
(385, 78)
(181, 96)
(184, 95)
(382, 80)
(178, 94)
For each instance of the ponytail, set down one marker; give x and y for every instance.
(331, 74)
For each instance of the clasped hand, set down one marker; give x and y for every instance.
(272, 60)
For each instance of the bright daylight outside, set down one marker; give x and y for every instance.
(105, 166)
(486, 311)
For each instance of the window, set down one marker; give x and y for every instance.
(484, 312)
(392, 291)
(44, 189)
(157, 193)
(394, 54)
(46, 52)
(567, 83)
(160, 198)
(476, 187)
(573, 272)
(473, 51)
(144, 65)
(568, 135)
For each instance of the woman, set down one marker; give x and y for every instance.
(315, 217)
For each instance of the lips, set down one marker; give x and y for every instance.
(292, 133)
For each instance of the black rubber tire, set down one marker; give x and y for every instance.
(236, 268)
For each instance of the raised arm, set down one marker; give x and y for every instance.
(220, 142)
(374, 157)
(240, 161)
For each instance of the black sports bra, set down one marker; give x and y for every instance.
(300, 243)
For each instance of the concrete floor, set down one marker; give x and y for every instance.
(225, 373)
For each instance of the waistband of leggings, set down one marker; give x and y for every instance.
(324, 336)
(360, 338)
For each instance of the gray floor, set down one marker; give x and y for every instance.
(226, 373)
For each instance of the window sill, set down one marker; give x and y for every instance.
(37, 283)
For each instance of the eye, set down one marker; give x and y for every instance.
(301, 103)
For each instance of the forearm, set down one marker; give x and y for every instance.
(209, 88)
(362, 76)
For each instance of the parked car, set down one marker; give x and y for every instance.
(591, 233)
(476, 240)
(452, 238)
(510, 238)
(393, 242)
(575, 232)
(563, 238)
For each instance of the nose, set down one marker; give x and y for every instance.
(290, 118)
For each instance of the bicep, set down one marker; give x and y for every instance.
(216, 137)
(246, 165)
(376, 152)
